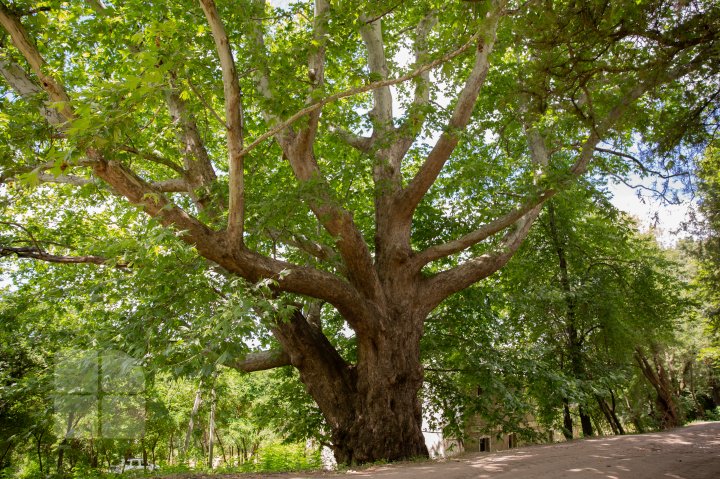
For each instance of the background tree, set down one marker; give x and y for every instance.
(388, 187)
(499, 356)
(709, 251)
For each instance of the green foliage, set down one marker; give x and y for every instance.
(499, 356)
(709, 248)
(495, 350)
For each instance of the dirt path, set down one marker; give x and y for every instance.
(691, 452)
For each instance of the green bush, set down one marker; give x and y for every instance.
(713, 414)
(287, 457)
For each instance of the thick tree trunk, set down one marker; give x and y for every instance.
(388, 418)
(657, 376)
(372, 408)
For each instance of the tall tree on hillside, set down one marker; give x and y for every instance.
(390, 182)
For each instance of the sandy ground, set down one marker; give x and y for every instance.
(691, 452)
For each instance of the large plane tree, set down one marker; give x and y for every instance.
(366, 159)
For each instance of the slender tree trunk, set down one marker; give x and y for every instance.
(93, 455)
(567, 421)
(254, 451)
(61, 455)
(585, 422)
(211, 429)
(635, 417)
(222, 448)
(64, 442)
(5, 458)
(191, 422)
(613, 413)
(574, 341)
(714, 386)
(144, 454)
(39, 452)
(698, 407)
(242, 450)
(605, 409)
(596, 424)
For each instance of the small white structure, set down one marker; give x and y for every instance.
(438, 446)
(134, 463)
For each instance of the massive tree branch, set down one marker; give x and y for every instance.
(260, 361)
(474, 269)
(483, 232)
(356, 91)
(381, 113)
(422, 87)
(329, 379)
(442, 285)
(23, 43)
(262, 72)
(394, 143)
(412, 126)
(198, 167)
(539, 154)
(299, 146)
(360, 143)
(338, 222)
(63, 179)
(316, 67)
(175, 185)
(234, 121)
(438, 156)
(27, 89)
